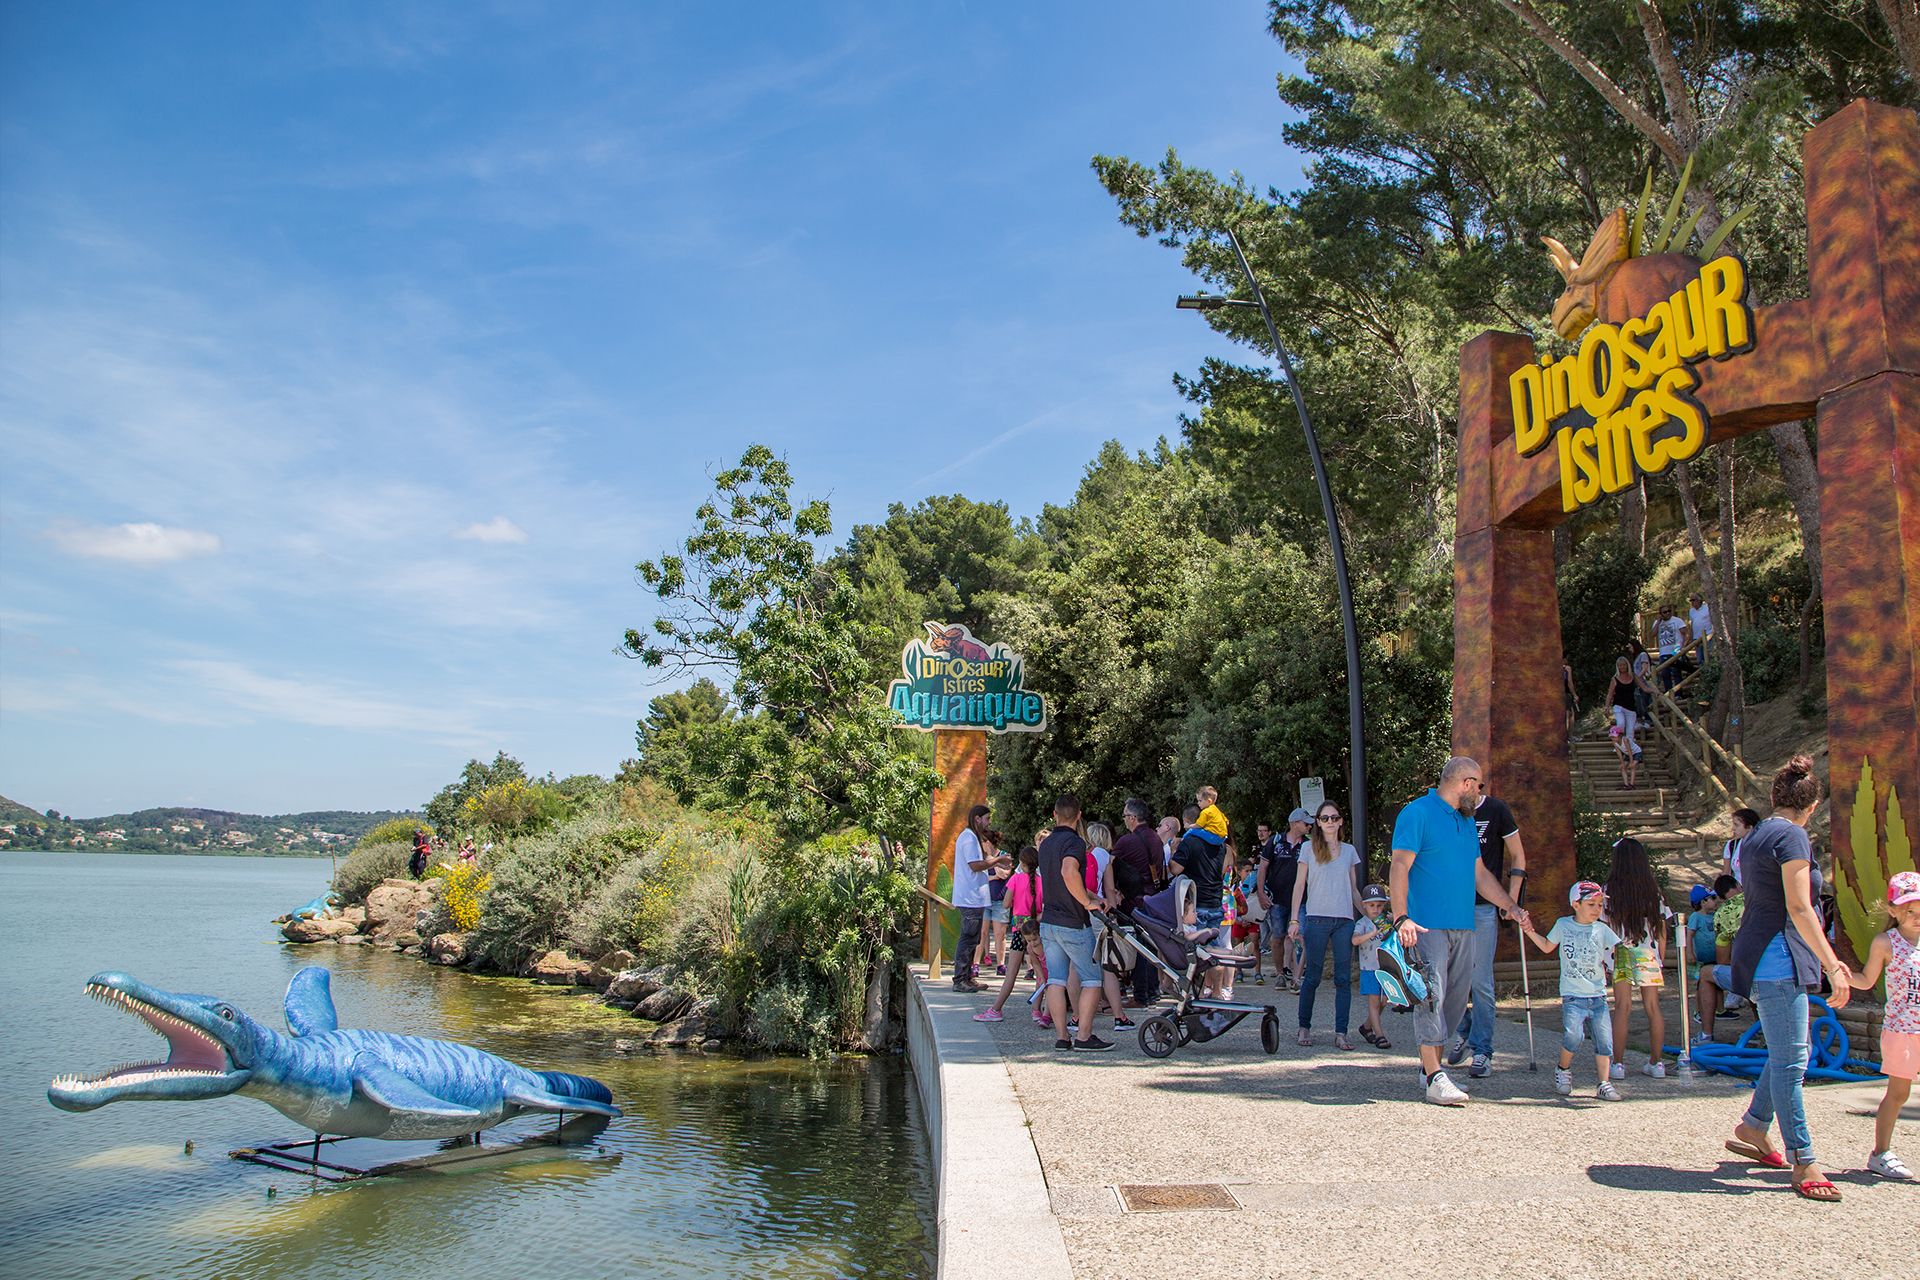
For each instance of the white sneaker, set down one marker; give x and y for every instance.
(1658, 1070)
(1606, 1092)
(1563, 1081)
(1888, 1165)
(1618, 1071)
(1443, 1092)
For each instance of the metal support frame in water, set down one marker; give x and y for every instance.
(291, 1157)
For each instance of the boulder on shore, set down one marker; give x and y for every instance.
(316, 930)
(406, 941)
(695, 1027)
(395, 906)
(664, 1005)
(608, 967)
(558, 969)
(637, 984)
(448, 948)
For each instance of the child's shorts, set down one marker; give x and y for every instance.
(1016, 936)
(1584, 1015)
(1370, 983)
(1900, 1054)
(1639, 966)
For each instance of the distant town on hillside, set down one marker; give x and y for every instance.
(203, 831)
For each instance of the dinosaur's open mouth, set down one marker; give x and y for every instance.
(191, 1052)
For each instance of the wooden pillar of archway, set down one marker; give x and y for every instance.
(1849, 354)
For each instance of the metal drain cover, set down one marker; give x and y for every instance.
(1176, 1197)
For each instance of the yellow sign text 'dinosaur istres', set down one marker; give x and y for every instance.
(1623, 406)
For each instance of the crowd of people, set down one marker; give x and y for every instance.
(1757, 935)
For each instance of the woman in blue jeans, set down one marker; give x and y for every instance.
(1331, 896)
(1778, 957)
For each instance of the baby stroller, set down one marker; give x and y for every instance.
(1154, 931)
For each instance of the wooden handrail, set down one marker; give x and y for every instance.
(1738, 765)
(1699, 766)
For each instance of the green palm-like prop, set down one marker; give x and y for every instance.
(1858, 894)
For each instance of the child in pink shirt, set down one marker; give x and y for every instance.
(1024, 900)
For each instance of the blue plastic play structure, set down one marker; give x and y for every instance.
(1828, 1061)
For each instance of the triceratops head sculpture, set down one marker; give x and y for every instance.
(1575, 309)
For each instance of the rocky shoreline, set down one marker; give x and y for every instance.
(397, 910)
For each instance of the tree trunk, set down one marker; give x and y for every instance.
(1633, 515)
(1709, 580)
(1732, 678)
(1903, 20)
(875, 1029)
(1802, 478)
(1562, 545)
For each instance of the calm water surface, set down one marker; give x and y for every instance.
(724, 1165)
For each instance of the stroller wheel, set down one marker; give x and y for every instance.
(1158, 1037)
(1270, 1033)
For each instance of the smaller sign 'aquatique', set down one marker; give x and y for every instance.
(952, 681)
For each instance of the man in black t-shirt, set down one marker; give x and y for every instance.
(1279, 864)
(1136, 856)
(1506, 860)
(1066, 932)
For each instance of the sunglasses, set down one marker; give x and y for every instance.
(1331, 817)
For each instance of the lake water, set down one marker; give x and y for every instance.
(725, 1164)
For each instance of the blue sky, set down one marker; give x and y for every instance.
(351, 355)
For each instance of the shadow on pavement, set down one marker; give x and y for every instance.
(1727, 1178)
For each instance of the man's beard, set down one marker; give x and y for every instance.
(1466, 804)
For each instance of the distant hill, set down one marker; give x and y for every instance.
(191, 831)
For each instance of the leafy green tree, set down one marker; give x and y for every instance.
(947, 559)
(1599, 596)
(446, 811)
(680, 729)
(816, 744)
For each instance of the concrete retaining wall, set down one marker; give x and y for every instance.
(994, 1214)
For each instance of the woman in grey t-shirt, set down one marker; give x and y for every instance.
(1327, 896)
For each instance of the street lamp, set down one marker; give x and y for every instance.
(1357, 746)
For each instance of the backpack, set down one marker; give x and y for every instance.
(1402, 981)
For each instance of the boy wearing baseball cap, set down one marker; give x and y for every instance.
(1586, 946)
(1897, 951)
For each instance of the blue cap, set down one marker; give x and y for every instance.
(1699, 894)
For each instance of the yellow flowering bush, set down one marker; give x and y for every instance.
(463, 889)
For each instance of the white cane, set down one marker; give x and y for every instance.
(1686, 1027)
(1526, 988)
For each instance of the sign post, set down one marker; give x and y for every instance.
(959, 690)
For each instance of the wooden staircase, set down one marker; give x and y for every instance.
(1656, 790)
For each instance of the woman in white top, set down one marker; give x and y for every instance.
(1326, 886)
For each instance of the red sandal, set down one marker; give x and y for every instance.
(1817, 1189)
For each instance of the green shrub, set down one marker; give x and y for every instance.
(790, 1012)
(539, 880)
(515, 808)
(369, 864)
(395, 829)
(1593, 836)
(1769, 657)
(646, 896)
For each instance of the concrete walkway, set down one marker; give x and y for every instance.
(1339, 1168)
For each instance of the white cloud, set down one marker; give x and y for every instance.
(498, 529)
(142, 544)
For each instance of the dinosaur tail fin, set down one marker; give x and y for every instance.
(571, 1086)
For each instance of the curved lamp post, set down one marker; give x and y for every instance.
(1357, 746)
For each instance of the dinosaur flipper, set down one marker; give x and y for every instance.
(533, 1099)
(406, 1100)
(310, 1003)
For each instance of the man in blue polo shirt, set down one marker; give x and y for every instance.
(1436, 870)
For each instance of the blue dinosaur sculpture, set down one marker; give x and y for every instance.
(320, 908)
(358, 1084)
